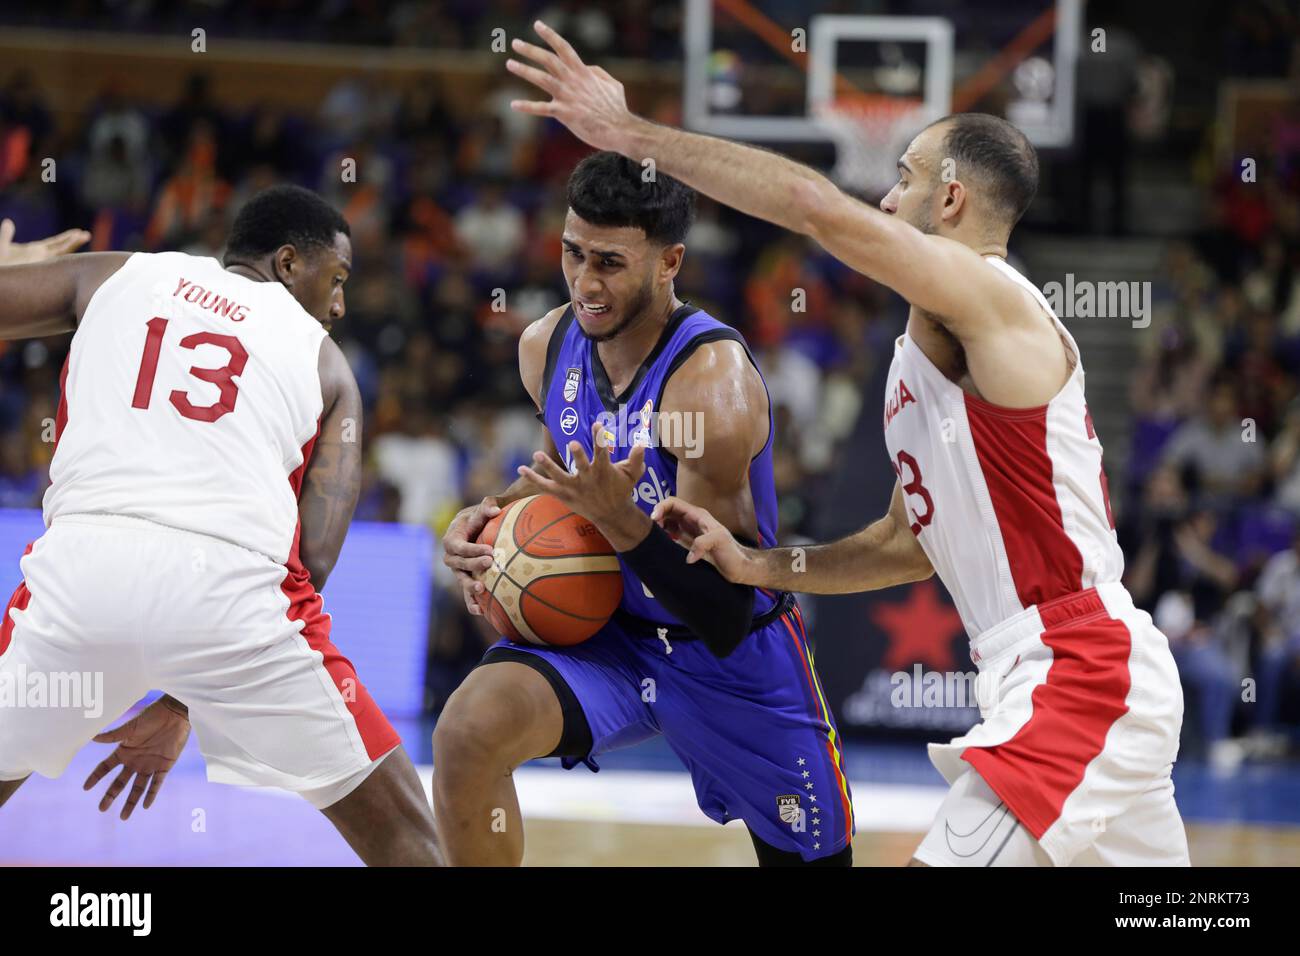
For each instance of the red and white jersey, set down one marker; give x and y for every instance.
(1010, 505)
(188, 397)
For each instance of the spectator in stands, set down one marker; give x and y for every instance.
(113, 179)
(25, 127)
(1224, 458)
(1286, 460)
(190, 195)
(493, 231)
(421, 463)
(1278, 594)
(1199, 581)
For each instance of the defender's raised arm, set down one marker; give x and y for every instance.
(44, 291)
(945, 278)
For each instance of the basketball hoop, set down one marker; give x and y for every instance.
(870, 130)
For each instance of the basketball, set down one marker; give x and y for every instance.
(554, 578)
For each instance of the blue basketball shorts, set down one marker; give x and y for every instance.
(752, 728)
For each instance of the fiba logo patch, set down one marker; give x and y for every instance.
(568, 421)
(571, 379)
(787, 805)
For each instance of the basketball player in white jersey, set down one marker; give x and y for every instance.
(206, 466)
(1000, 486)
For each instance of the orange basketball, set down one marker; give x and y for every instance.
(554, 578)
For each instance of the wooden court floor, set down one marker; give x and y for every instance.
(579, 843)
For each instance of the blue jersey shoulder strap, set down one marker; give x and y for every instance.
(553, 346)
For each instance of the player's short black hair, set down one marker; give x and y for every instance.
(283, 215)
(607, 189)
(1000, 155)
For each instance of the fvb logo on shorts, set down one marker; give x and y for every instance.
(73, 690)
(787, 805)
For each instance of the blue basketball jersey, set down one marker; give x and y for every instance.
(576, 391)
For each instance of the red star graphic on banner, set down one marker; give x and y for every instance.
(920, 630)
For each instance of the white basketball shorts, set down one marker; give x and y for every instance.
(1071, 764)
(112, 607)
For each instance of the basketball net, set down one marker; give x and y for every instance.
(871, 131)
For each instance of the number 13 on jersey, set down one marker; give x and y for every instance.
(222, 377)
(913, 487)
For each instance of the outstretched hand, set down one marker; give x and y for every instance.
(23, 253)
(585, 98)
(599, 488)
(148, 746)
(705, 537)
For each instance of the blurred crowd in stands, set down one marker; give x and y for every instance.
(641, 29)
(1212, 529)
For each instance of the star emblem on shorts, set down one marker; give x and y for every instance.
(805, 774)
(808, 785)
(817, 833)
(801, 761)
(817, 846)
(813, 798)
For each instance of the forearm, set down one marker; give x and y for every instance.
(332, 482)
(45, 298)
(37, 300)
(624, 528)
(873, 558)
(719, 612)
(325, 508)
(755, 181)
(1216, 567)
(796, 197)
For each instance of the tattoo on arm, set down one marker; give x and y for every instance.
(332, 483)
(329, 496)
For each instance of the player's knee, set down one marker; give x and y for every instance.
(465, 742)
(483, 729)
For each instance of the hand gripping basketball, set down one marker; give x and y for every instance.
(553, 580)
(464, 555)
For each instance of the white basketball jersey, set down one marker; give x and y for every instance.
(1009, 504)
(188, 397)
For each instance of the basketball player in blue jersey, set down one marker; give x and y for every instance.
(622, 376)
(1001, 491)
